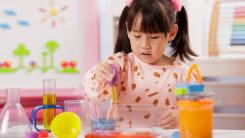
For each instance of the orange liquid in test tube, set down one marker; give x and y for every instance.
(49, 114)
(49, 98)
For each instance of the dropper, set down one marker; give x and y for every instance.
(113, 84)
(113, 88)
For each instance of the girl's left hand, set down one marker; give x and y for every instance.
(170, 119)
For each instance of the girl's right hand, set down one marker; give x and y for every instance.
(103, 72)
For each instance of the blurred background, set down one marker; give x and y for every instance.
(63, 39)
(217, 35)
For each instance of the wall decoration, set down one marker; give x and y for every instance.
(4, 26)
(22, 51)
(33, 63)
(23, 23)
(5, 67)
(10, 12)
(72, 65)
(26, 27)
(53, 13)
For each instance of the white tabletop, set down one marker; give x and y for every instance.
(167, 133)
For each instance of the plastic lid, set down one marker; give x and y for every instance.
(199, 103)
(43, 134)
(195, 96)
(180, 91)
(32, 135)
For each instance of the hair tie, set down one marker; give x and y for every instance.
(177, 4)
(129, 2)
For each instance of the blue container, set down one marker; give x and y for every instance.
(103, 124)
(191, 87)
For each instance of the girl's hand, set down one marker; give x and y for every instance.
(103, 72)
(170, 119)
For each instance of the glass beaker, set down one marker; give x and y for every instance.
(196, 118)
(49, 98)
(134, 121)
(77, 107)
(14, 122)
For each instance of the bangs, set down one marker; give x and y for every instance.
(148, 16)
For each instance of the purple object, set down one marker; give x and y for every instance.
(32, 135)
(115, 73)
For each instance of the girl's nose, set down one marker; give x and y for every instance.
(145, 43)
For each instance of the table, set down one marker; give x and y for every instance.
(167, 133)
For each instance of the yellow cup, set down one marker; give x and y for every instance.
(66, 125)
(196, 118)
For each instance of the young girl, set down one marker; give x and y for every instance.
(146, 75)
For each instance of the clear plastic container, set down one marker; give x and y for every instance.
(127, 121)
(196, 118)
(91, 114)
(14, 122)
(77, 107)
(49, 98)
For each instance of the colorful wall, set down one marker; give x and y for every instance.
(47, 39)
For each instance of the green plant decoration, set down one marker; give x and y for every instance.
(22, 51)
(52, 46)
(44, 59)
(6, 70)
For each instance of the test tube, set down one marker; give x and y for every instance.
(49, 98)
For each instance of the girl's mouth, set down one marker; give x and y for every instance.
(146, 55)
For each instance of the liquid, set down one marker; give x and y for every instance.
(114, 94)
(48, 114)
(114, 134)
(114, 100)
(196, 123)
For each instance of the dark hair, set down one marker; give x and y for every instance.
(158, 16)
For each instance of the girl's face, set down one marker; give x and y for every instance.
(149, 48)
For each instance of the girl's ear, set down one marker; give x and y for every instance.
(173, 32)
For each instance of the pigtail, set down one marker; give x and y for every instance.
(123, 42)
(181, 43)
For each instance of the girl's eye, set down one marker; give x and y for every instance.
(154, 37)
(137, 36)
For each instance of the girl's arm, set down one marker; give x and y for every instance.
(99, 92)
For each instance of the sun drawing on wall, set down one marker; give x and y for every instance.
(53, 13)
